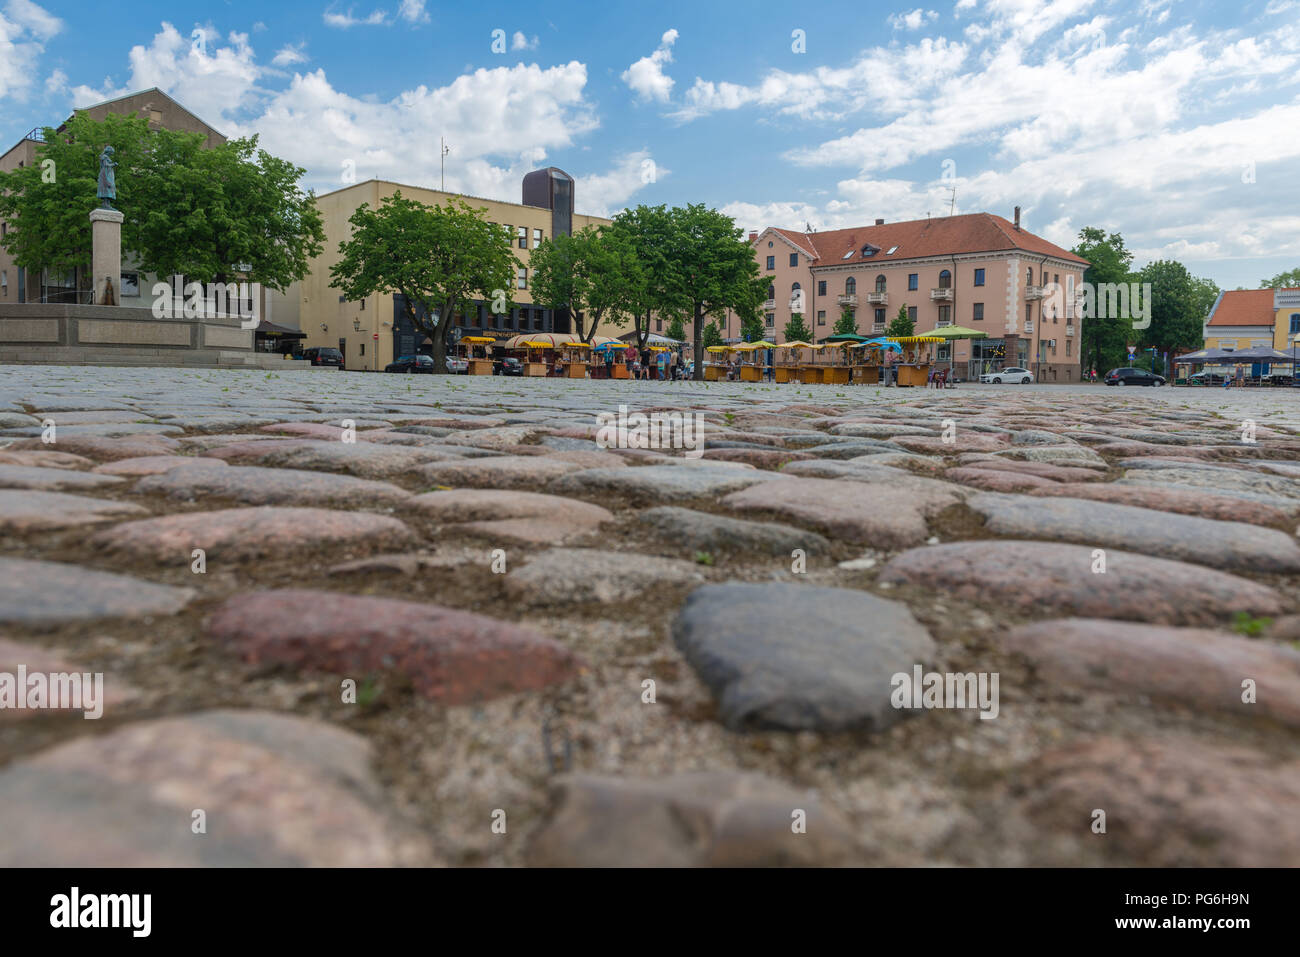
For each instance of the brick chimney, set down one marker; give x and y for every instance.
(753, 237)
(1017, 217)
(880, 222)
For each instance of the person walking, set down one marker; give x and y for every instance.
(672, 366)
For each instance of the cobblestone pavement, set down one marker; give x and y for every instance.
(467, 635)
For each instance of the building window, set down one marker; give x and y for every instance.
(510, 231)
(880, 317)
(1056, 278)
(659, 325)
(523, 240)
(363, 305)
(523, 277)
(1029, 314)
(4, 281)
(363, 348)
(1069, 346)
(1295, 323)
(771, 319)
(821, 287)
(979, 277)
(1029, 276)
(771, 291)
(945, 315)
(794, 259)
(977, 311)
(911, 313)
(850, 286)
(537, 238)
(945, 280)
(771, 262)
(912, 280)
(880, 284)
(821, 317)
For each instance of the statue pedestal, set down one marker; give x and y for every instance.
(106, 255)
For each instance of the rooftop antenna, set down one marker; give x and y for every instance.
(952, 202)
(444, 150)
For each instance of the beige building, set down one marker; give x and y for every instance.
(977, 270)
(27, 286)
(373, 331)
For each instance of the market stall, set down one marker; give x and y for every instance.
(575, 357)
(474, 350)
(950, 334)
(869, 359)
(789, 371)
(609, 361)
(917, 358)
(535, 351)
(714, 370)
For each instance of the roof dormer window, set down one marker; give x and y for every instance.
(892, 250)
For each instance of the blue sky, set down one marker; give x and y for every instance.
(1172, 122)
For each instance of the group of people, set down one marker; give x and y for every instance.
(937, 379)
(664, 364)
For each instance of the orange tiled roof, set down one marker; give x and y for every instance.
(938, 236)
(1243, 307)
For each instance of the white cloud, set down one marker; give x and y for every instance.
(412, 11)
(646, 76)
(913, 20)
(521, 42)
(213, 81)
(607, 193)
(24, 28)
(346, 20)
(56, 82)
(500, 123)
(290, 54)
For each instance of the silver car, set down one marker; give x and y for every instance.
(1009, 374)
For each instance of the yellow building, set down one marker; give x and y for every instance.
(372, 332)
(1240, 319)
(1286, 322)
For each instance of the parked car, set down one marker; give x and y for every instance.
(457, 365)
(1130, 376)
(415, 363)
(1009, 374)
(507, 365)
(319, 356)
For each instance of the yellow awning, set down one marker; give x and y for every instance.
(908, 340)
(478, 340)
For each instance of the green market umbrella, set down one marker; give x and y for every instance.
(951, 333)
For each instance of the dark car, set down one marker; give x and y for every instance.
(507, 365)
(417, 363)
(323, 357)
(1130, 376)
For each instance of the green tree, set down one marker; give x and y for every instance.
(438, 258)
(796, 330)
(587, 273)
(1103, 340)
(676, 329)
(47, 204)
(752, 328)
(846, 324)
(640, 235)
(188, 210)
(710, 269)
(1178, 306)
(712, 337)
(901, 324)
(1283, 280)
(230, 211)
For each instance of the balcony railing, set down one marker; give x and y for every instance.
(1033, 292)
(1029, 327)
(877, 327)
(769, 305)
(943, 322)
(942, 294)
(878, 298)
(849, 300)
(1069, 329)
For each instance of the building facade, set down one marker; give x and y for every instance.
(1245, 318)
(977, 270)
(30, 286)
(374, 331)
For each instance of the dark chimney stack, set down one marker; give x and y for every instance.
(1017, 217)
(880, 222)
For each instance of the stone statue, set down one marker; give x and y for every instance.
(107, 191)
